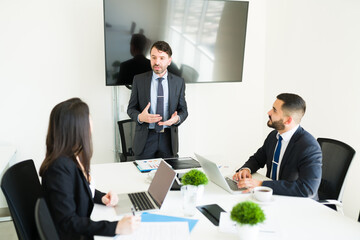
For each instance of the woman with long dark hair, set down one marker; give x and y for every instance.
(66, 178)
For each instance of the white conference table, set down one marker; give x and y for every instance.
(286, 217)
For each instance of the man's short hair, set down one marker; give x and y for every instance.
(162, 46)
(293, 105)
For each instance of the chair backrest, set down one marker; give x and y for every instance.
(127, 133)
(337, 157)
(44, 221)
(189, 74)
(21, 187)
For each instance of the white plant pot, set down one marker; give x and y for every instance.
(247, 232)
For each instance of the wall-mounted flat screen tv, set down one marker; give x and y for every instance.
(207, 38)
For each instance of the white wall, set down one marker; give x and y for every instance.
(53, 50)
(313, 49)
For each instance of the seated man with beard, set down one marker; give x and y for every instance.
(292, 156)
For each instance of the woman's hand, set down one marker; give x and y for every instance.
(128, 224)
(110, 199)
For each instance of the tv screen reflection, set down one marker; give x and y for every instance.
(207, 38)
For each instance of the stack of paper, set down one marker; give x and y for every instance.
(159, 230)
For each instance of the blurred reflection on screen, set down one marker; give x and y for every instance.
(207, 37)
(137, 64)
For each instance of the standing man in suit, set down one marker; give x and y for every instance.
(292, 156)
(158, 106)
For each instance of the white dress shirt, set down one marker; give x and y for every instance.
(286, 137)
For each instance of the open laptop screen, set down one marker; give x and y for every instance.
(161, 183)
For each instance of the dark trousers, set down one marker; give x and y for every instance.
(158, 145)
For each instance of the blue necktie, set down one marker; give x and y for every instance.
(160, 104)
(276, 159)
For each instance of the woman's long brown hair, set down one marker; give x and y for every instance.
(69, 134)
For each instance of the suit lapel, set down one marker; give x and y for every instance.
(147, 87)
(172, 94)
(288, 150)
(86, 184)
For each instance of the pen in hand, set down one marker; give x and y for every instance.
(133, 211)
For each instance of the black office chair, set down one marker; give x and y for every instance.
(44, 222)
(127, 133)
(21, 187)
(337, 157)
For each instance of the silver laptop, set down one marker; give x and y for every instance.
(214, 174)
(153, 198)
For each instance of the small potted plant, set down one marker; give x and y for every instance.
(192, 190)
(247, 215)
(194, 177)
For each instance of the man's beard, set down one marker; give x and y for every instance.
(158, 71)
(277, 125)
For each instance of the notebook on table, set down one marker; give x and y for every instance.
(214, 174)
(182, 163)
(151, 199)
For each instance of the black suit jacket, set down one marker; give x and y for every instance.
(69, 198)
(300, 168)
(140, 97)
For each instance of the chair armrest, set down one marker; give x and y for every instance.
(337, 204)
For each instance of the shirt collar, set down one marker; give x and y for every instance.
(155, 76)
(287, 135)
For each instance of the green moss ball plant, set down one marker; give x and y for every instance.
(194, 177)
(247, 213)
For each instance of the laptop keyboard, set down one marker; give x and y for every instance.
(141, 201)
(232, 184)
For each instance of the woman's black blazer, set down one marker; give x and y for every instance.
(70, 201)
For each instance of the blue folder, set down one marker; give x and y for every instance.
(149, 217)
